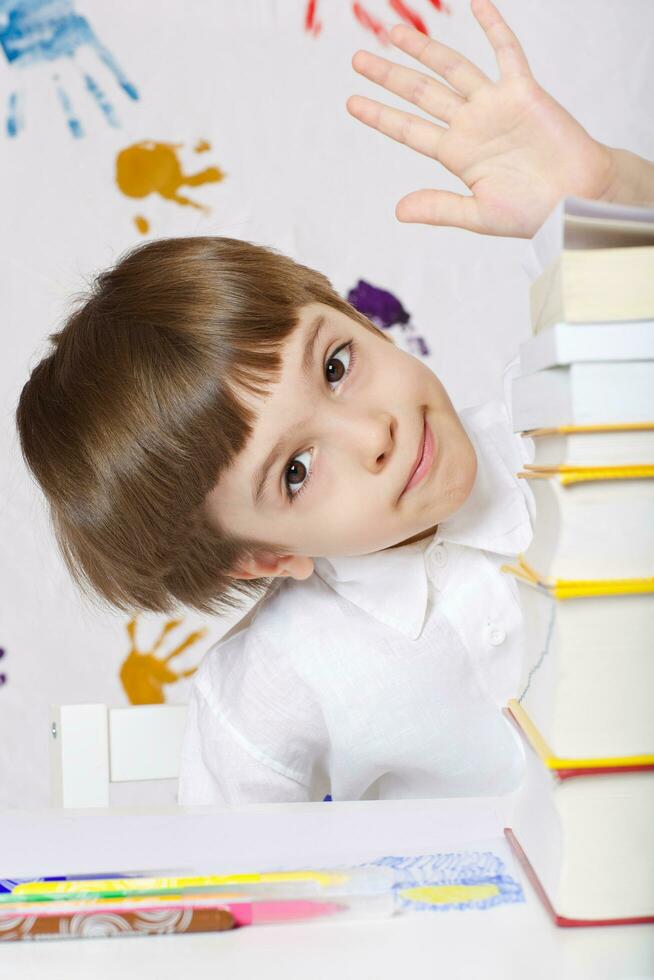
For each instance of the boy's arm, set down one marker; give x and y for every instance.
(514, 146)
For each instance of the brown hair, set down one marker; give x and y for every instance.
(129, 420)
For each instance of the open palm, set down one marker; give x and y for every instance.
(515, 147)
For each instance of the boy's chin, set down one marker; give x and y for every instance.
(453, 498)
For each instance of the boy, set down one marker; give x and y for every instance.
(215, 420)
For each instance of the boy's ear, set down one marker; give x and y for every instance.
(267, 565)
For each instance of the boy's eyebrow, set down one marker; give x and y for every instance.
(261, 474)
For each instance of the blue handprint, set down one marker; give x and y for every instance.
(36, 31)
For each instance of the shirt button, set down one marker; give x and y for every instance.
(438, 556)
(496, 636)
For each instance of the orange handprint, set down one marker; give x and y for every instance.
(143, 674)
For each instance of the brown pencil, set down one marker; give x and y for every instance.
(104, 923)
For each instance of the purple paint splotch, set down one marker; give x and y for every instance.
(34, 32)
(385, 310)
(377, 304)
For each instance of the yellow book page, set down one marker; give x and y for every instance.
(568, 475)
(579, 588)
(617, 427)
(549, 759)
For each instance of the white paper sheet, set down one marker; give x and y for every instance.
(60, 842)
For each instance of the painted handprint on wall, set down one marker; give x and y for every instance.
(150, 167)
(38, 32)
(143, 674)
(313, 24)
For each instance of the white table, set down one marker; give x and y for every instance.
(511, 941)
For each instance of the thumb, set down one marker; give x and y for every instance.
(431, 207)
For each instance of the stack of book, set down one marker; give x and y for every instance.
(583, 824)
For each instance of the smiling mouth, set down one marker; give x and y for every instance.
(424, 460)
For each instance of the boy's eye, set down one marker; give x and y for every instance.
(334, 368)
(296, 471)
(297, 474)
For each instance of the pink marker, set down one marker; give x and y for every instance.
(260, 913)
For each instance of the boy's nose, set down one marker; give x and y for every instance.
(375, 438)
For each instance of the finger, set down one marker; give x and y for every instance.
(425, 92)
(511, 59)
(462, 75)
(430, 207)
(404, 127)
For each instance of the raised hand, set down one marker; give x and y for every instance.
(517, 150)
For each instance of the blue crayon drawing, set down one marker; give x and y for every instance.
(34, 32)
(459, 880)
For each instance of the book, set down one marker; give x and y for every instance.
(582, 223)
(598, 284)
(587, 676)
(589, 255)
(579, 446)
(582, 824)
(569, 760)
(592, 523)
(566, 343)
(590, 393)
(585, 840)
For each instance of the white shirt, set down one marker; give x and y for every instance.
(381, 675)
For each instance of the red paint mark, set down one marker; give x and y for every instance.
(311, 23)
(369, 22)
(441, 5)
(409, 15)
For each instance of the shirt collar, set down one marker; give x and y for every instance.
(392, 585)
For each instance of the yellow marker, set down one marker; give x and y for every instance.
(449, 894)
(89, 885)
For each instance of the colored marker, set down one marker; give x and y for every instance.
(286, 884)
(244, 913)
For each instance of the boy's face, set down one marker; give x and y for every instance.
(349, 433)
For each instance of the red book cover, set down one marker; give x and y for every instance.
(561, 920)
(560, 775)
